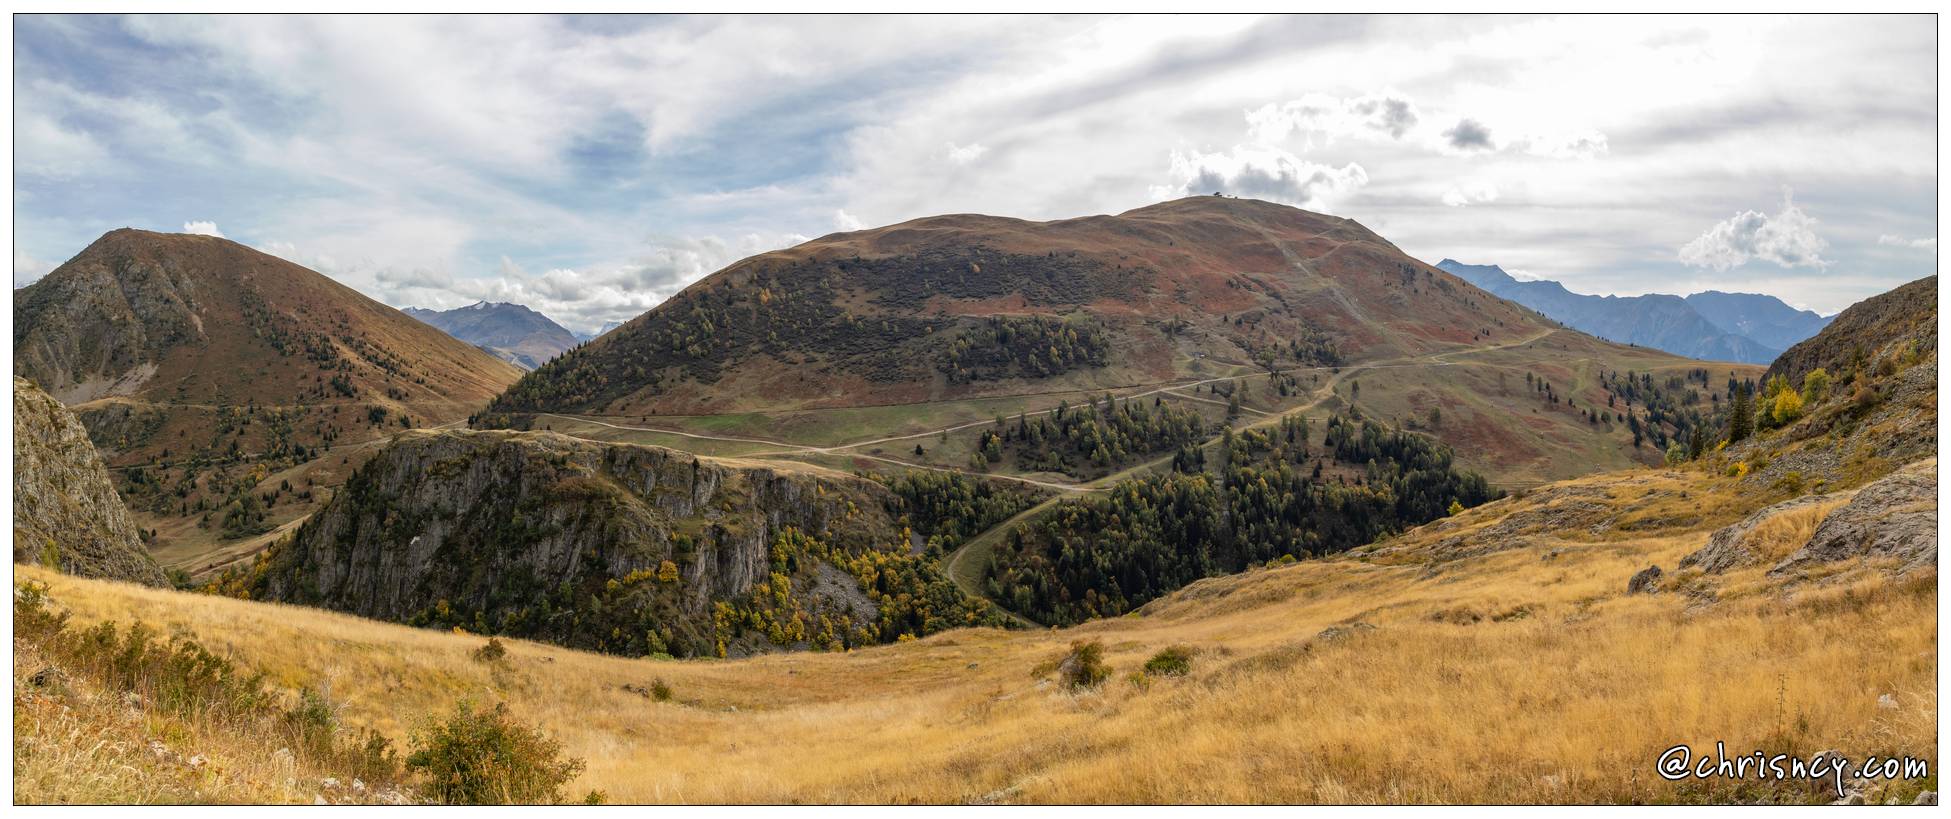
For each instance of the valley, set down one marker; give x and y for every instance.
(851, 576)
(1404, 673)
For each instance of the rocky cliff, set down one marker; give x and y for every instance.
(622, 548)
(66, 512)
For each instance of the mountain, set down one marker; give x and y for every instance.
(230, 389)
(961, 306)
(511, 332)
(187, 318)
(1655, 320)
(1202, 302)
(607, 326)
(1763, 318)
(66, 513)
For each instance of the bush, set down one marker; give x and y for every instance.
(312, 723)
(1815, 386)
(1173, 661)
(34, 620)
(180, 676)
(660, 690)
(1787, 407)
(483, 758)
(492, 652)
(1084, 667)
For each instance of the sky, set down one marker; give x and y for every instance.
(590, 167)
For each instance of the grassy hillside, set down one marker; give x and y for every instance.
(1516, 669)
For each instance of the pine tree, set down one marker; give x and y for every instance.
(1741, 416)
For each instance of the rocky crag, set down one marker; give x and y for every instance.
(67, 514)
(623, 548)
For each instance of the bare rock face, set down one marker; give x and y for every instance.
(1646, 581)
(66, 512)
(609, 546)
(1728, 548)
(1893, 517)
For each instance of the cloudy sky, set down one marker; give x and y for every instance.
(590, 167)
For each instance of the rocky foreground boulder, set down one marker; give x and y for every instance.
(67, 514)
(1730, 546)
(1895, 518)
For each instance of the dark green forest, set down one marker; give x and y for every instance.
(1271, 495)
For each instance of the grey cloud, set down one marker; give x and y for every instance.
(1390, 114)
(1263, 173)
(1469, 135)
(397, 277)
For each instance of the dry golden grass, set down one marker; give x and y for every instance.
(76, 742)
(1557, 686)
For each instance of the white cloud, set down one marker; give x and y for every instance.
(845, 221)
(1586, 144)
(203, 229)
(1368, 116)
(586, 298)
(1476, 193)
(1929, 243)
(47, 148)
(1787, 239)
(965, 154)
(1392, 117)
(1261, 173)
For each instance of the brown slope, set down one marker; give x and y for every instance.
(1181, 291)
(178, 318)
(866, 317)
(1864, 333)
(207, 372)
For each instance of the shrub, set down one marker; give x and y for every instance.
(1173, 661)
(1787, 407)
(180, 676)
(483, 758)
(660, 690)
(34, 619)
(492, 652)
(1815, 386)
(312, 722)
(1084, 667)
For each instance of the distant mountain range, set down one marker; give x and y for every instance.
(607, 326)
(512, 332)
(1712, 326)
(1762, 318)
